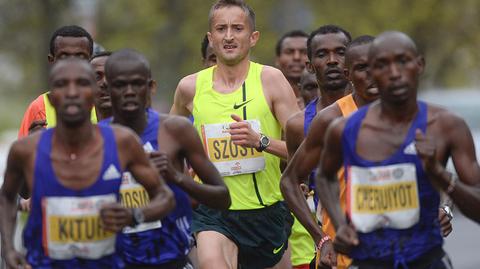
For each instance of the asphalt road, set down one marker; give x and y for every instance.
(463, 243)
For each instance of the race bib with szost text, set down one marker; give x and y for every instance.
(383, 197)
(228, 158)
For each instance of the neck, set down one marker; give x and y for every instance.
(399, 112)
(232, 75)
(329, 97)
(359, 101)
(74, 138)
(137, 123)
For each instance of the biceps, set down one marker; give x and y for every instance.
(146, 176)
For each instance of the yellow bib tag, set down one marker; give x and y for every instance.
(383, 197)
(228, 158)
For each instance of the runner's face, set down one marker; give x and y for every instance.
(395, 68)
(359, 73)
(211, 58)
(129, 88)
(309, 87)
(231, 36)
(66, 47)
(102, 98)
(293, 57)
(72, 92)
(328, 60)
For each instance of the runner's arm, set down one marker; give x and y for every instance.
(465, 192)
(283, 104)
(303, 162)
(213, 192)
(161, 197)
(331, 160)
(13, 182)
(183, 99)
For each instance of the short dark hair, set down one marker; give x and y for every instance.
(323, 30)
(294, 33)
(203, 48)
(358, 41)
(237, 3)
(70, 31)
(101, 54)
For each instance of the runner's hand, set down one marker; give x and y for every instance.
(426, 150)
(115, 217)
(242, 133)
(165, 167)
(345, 239)
(328, 257)
(16, 260)
(445, 222)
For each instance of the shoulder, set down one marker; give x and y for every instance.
(123, 135)
(186, 86)
(295, 122)
(271, 73)
(38, 104)
(26, 146)
(175, 125)
(445, 119)
(325, 116)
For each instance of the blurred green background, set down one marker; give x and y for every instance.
(169, 33)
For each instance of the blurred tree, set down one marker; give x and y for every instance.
(169, 33)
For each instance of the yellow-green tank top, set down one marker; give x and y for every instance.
(247, 191)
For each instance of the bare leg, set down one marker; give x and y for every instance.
(214, 250)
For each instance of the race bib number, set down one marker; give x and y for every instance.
(383, 197)
(73, 229)
(228, 158)
(133, 195)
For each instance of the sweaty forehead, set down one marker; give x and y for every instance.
(357, 53)
(296, 42)
(99, 61)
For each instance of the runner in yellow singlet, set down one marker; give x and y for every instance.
(239, 108)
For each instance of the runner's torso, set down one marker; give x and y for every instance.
(251, 177)
(63, 229)
(391, 202)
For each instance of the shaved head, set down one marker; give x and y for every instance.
(391, 39)
(127, 59)
(78, 64)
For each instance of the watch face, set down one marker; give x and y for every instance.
(264, 141)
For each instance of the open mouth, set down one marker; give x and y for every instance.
(333, 74)
(72, 109)
(372, 90)
(229, 47)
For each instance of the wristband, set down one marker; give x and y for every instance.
(322, 242)
(452, 184)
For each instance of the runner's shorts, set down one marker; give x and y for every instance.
(261, 235)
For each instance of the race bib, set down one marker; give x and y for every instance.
(133, 195)
(72, 227)
(228, 158)
(383, 197)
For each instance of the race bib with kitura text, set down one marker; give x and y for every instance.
(228, 158)
(133, 195)
(383, 197)
(72, 227)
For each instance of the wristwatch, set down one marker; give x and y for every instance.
(138, 216)
(448, 211)
(264, 142)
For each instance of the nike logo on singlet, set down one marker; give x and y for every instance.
(235, 106)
